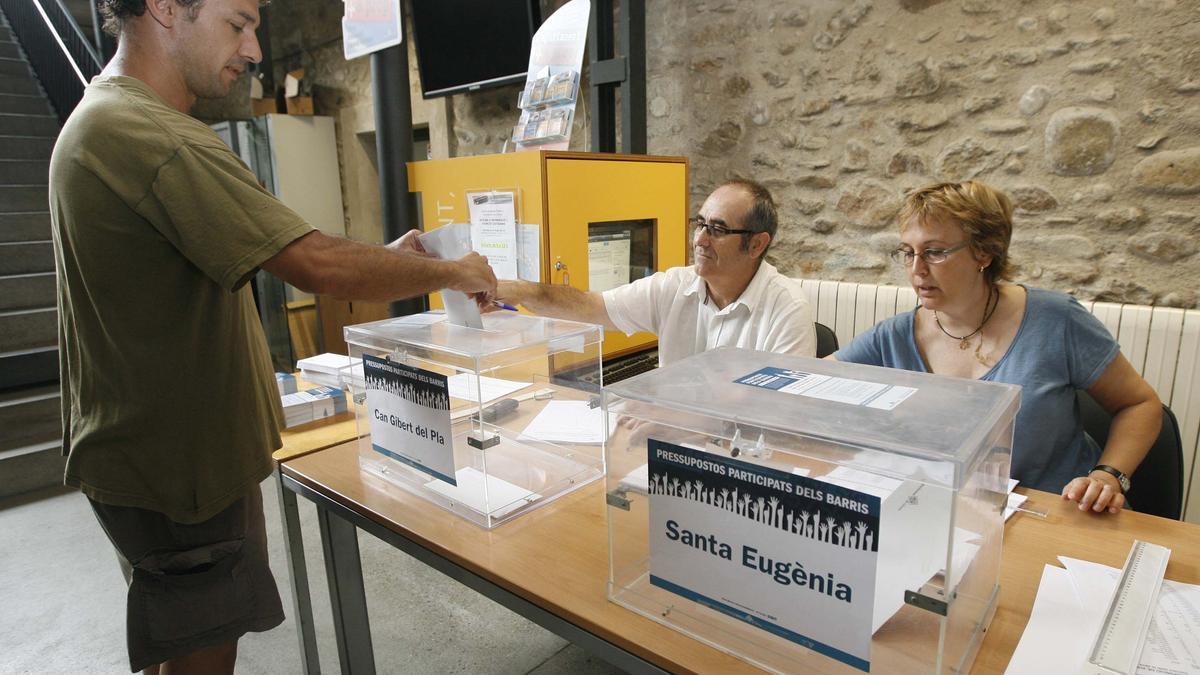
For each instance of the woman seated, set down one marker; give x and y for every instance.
(954, 240)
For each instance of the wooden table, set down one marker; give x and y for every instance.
(551, 565)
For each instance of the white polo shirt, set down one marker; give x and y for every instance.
(772, 314)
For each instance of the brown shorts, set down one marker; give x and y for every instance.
(192, 586)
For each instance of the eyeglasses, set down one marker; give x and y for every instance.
(715, 231)
(931, 256)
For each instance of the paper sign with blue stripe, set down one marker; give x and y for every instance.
(410, 416)
(793, 556)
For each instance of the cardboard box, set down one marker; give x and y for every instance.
(263, 106)
(297, 94)
(299, 105)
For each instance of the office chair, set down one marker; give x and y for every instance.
(827, 342)
(1158, 483)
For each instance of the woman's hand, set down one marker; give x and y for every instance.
(1097, 491)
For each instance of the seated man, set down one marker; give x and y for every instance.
(730, 297)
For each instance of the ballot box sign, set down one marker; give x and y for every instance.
(410, 416)
(793, 556)
(827, 388)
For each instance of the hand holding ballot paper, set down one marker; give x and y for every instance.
(451, 242)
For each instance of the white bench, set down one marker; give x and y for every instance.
(1162, 343)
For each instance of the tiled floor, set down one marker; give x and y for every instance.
(62, 605)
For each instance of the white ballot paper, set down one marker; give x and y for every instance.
(471, 387)
(568, 422)
(451, 242)
(501, 496)
(494, 230)
(1069, 611)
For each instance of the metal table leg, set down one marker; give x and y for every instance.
(301, 599)
(339, 538)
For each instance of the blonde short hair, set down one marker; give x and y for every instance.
(983, 212)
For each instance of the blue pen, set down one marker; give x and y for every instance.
(501, 305)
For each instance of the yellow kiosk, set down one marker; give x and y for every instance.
(603, 219)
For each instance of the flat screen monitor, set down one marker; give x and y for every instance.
(465, 45)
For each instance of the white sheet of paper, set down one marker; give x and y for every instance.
(503, 495)
(494, 230)
(324, 363)
(1054, 641)
(637, 480)
(451, 242)
(1069, 611)
(568, 422)
(470, 387)
(1171, 647)
(422, 319)
(1014, 500)
(529, 251)
(863, 481)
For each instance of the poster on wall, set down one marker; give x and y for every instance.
(410, 416)
(369, 26)
(790, 555)
(494, 230)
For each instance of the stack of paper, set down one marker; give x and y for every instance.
(314, 404)
(286, 383)
(325, 369)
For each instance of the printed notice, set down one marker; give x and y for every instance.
(790, 555)
(410, 416)
(529, 251)
(827, 388)
(494, 230)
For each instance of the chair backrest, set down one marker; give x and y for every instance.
(1158, 483)
(827, 342)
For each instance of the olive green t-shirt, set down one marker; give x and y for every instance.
(169, 400)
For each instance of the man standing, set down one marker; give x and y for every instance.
(729, 297)
(170, 408)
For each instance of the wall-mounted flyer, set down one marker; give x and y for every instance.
(410, 416)
(788, 554)
(494, 230)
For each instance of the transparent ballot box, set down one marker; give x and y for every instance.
(488, 423)
(810, 516)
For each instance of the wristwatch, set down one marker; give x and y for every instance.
(1121, 477)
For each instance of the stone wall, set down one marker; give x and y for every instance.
(1086, 112)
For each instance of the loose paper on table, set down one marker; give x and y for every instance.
(1070, 609)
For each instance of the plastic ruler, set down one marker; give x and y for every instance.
(1123, 633)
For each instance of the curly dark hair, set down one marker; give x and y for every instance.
(115, 12)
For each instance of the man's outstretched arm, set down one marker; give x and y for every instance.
(346, 269)
(558, 302)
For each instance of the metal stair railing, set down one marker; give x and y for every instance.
(59, 53)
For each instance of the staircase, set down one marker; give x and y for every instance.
(30, 425)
